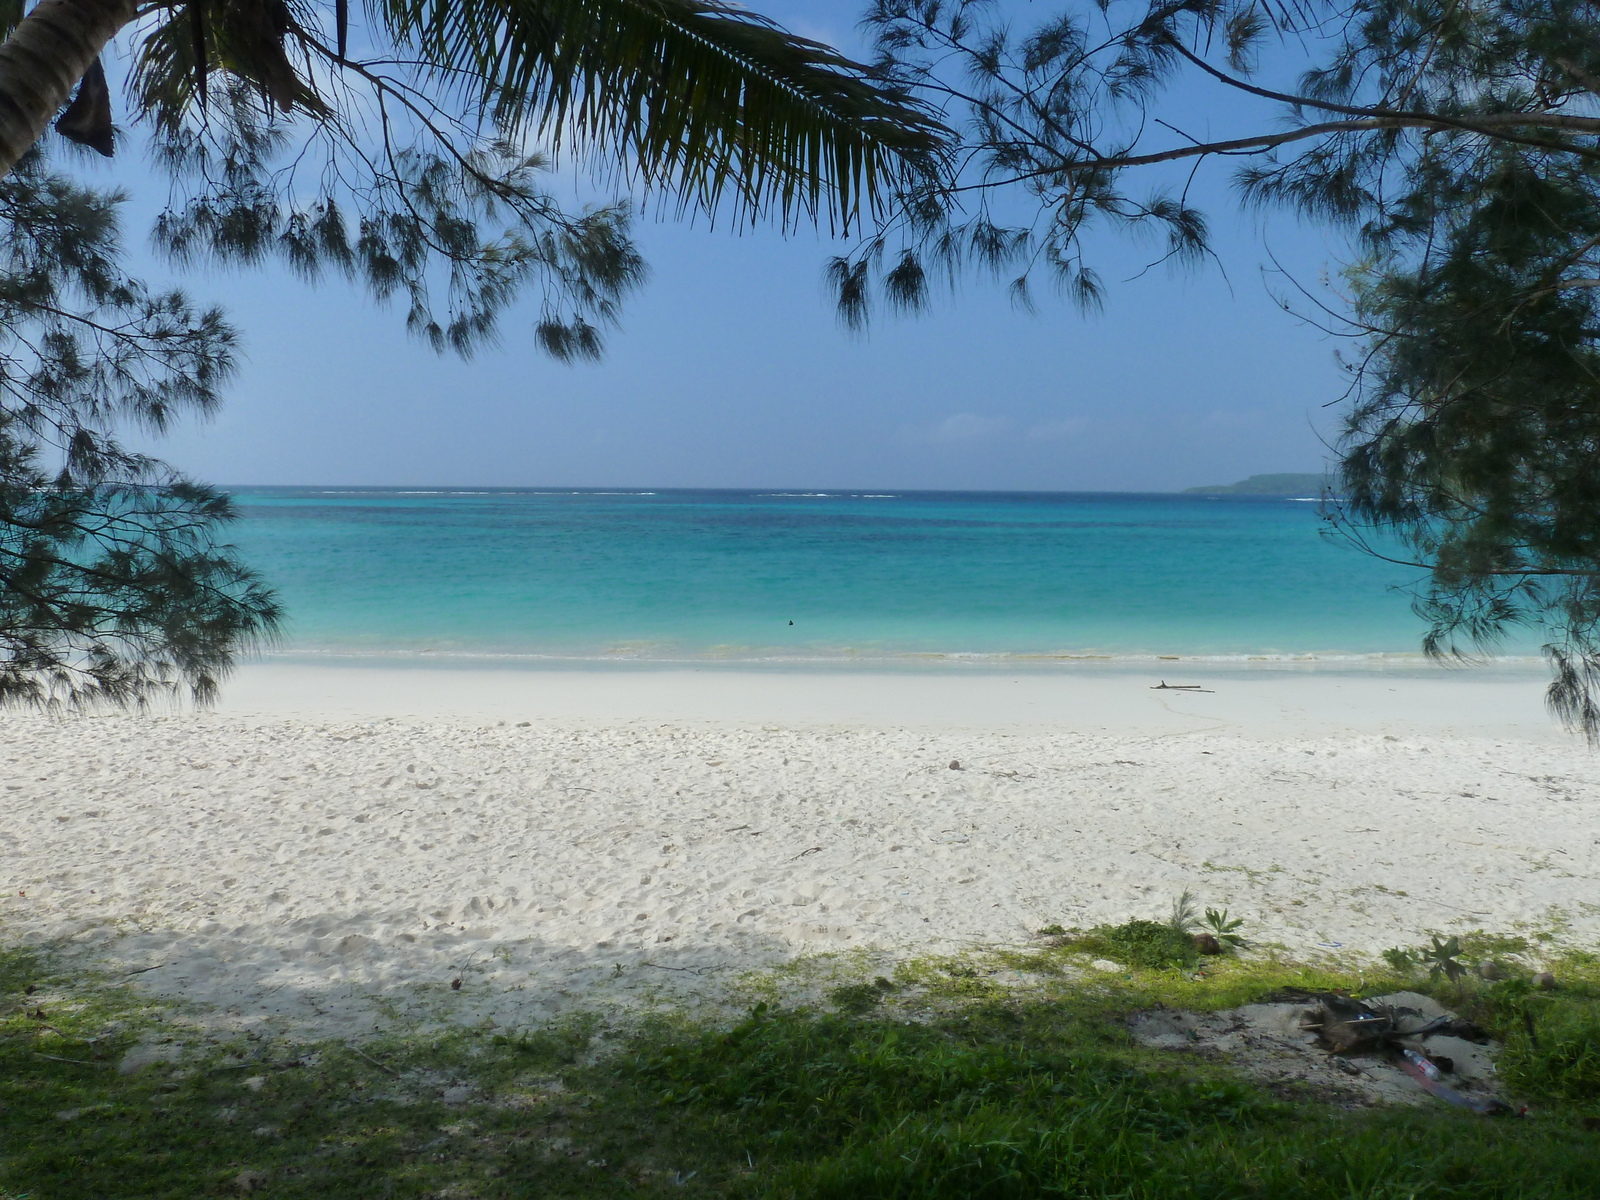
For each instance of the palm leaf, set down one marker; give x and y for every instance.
(247, 38)
(697, 98)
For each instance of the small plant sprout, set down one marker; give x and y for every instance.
(1441, 958)
(1225, 929)
(1184, 915)
(1403, 961)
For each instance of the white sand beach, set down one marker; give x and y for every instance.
(335, 845)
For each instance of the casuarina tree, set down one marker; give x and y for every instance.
(1457, 144)
(112, 581)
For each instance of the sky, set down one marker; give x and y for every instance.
(730, 370)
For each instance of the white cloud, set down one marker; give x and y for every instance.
(968, 427)
(825, 34)
(1051, 431)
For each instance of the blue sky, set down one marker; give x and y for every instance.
(730, 371)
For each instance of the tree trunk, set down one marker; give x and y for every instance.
(43, 60)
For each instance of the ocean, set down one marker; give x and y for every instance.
(536, 576)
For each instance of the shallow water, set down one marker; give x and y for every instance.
(814, 577)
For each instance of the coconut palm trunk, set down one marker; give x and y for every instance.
(46, 55)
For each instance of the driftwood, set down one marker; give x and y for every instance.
(1348, 1026)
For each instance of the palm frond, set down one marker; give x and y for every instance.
(247, 38)
(698, 99)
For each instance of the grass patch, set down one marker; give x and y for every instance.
(1552, 1038)
(856, 999)
(937, 1083)
(1149, 944)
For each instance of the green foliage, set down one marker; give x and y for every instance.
(1403, 961)
(1451, 140)
(1551, 1038)
(474, 225)
(1476, 404)
(1441, 958)
(1566, 1063)
(114, 581)
(406, 167)
(855, 999)
(703, 100)
(935, 1105)
(312, 1121)
(703, 97)
(1225, 930)
(406, 170)
(555, 1046)
(1017, 1097)
(1184, 916)
(1151, 944)
(1039, 1097)
(1479, 944)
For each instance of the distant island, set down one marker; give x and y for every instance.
(1266, 485)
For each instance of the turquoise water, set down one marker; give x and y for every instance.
(720, 575)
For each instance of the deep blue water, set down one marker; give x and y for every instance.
(699, 575)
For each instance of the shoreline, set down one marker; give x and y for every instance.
(929, 661)
(952, 663)
(332, 845)
(1247, 699)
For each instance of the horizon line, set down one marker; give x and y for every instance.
(775, 490)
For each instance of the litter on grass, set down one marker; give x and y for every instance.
(1403, 1048)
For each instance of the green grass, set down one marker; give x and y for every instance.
(1149, 944)
(938, 1082)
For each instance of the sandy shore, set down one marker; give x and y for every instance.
(334, 846)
